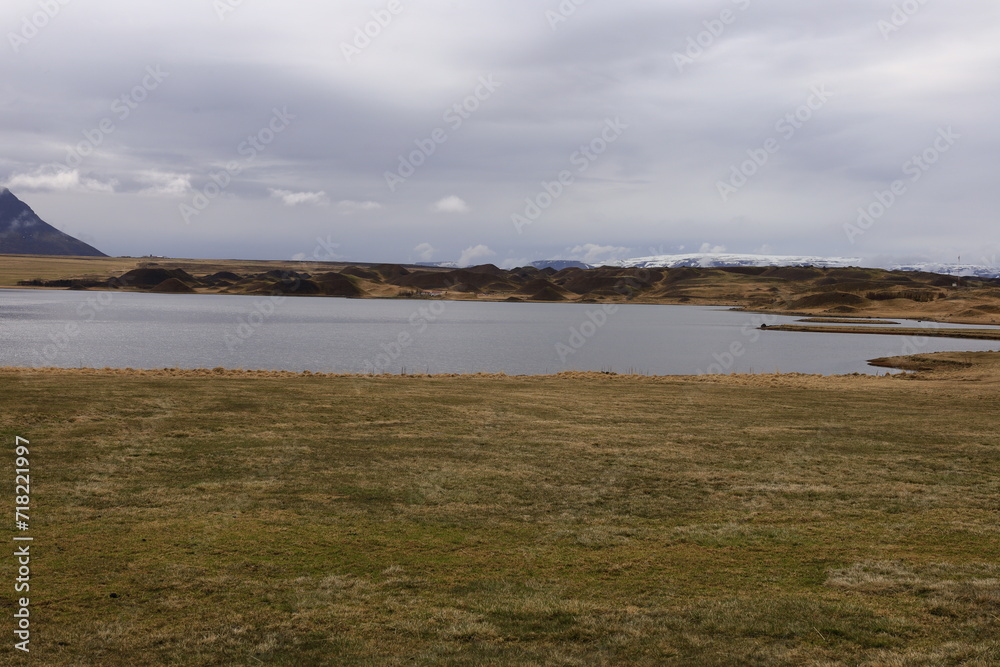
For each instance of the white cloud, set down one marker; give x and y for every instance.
(349, 206)
(164, 184)
(66, 180)
(709, 248)
(514, 262)
(424, 251)
(290, 198)
(591, 253)
(472, 254)
(350, 125)
(451, 204)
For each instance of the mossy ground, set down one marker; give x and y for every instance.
(572, 520)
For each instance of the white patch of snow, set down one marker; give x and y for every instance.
(708, 260)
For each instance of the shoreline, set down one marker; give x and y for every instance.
(866, 317)
(841, 293)
(727, 304)
(967, 334)
(277, 374)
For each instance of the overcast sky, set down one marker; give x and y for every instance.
(253, 129)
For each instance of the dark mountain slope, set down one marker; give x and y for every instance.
(22, 232)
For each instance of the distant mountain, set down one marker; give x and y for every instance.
(560, 264)
(712, 260)
(22, 232)
(438, 265)
(721, 260)
(965, 270)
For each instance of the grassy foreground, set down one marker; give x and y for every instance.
(200, 518)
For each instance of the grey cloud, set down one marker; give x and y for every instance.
(655, 186)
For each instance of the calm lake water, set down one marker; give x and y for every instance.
(133, 330)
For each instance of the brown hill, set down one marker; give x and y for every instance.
(359, 272)
(227, 277)
(500, 286)
(794, 272)
(472, 278)
(299, 287)
(151, 277)
(547, 294)
(426, 280)
(172, 286)
(488, 269)
(599, 280)
(745, 270)
(828, 299)
(537, 285)
(870, 291)
(391, 272)
(681, 274)
(522, 274)
(336, 284)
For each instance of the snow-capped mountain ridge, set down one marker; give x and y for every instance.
(977, 270)
(709, 260)
(715, 260)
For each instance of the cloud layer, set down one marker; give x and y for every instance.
(806, 128)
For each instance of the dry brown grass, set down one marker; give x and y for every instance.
(247, 518)
(14, 268)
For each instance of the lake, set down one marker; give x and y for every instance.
(137, 330)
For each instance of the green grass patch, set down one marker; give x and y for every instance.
(484, 520)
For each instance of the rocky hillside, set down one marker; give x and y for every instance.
(846, 292)
(22, 232)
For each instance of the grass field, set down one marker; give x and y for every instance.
(229, 518)
(15, 268)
